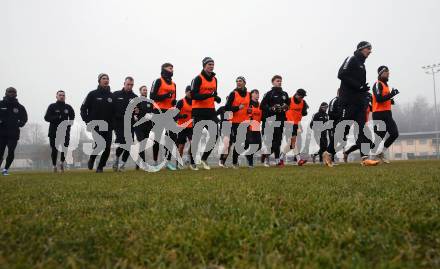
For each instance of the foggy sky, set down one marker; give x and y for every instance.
(50, 45)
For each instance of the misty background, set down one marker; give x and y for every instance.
(51, 45)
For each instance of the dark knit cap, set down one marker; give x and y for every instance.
(207, 60)
(382, 69)
(301, 92)
(10, 89)
(241, 78)
(363, 44)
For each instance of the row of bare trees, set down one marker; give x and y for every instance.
(416, 116)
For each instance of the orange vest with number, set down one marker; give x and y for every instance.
(164, 89)
(384, 106)
(255, 116)
(294, 114)
(185, 110)
(207, 87)
(241, 115)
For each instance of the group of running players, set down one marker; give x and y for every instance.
(354, 102)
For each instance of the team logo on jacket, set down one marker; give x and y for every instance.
(99, 98)
(15, 110)
(66, 111)
(109, 100)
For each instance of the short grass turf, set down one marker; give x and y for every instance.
(350, 216)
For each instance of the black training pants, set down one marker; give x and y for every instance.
(391, 127)
(11, 144)
(107, 135)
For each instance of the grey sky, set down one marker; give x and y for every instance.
(59, 44)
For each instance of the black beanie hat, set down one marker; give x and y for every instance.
(207, 60)
(363, 44)
(188, 89)
(241, 78)
(382, 69)
(323, 104)
(301, 92)
(10, 89)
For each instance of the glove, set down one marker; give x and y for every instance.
(365, 87)
(394, 92)
(284, 107)
(214, 93)
(275, 107)
(392, 101)
(217, 99)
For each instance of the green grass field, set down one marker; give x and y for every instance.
(312, 216)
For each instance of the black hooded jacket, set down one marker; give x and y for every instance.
(334, 109)
(13, 116)
(276, 96)
(353, 79)
(320, 116)
(121, 99)
(55, 114)
(98, 105)
(144, 109)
